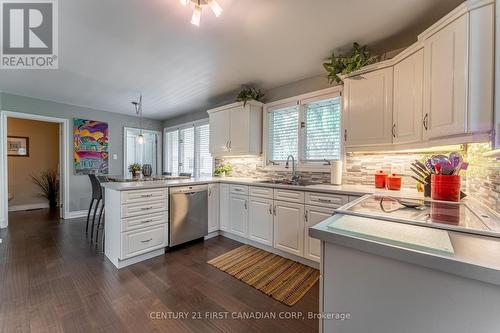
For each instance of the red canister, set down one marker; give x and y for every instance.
(380, 177)
(393, 182)
(445, 187)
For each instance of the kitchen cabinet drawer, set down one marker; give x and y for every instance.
(138, 196)
(239, 189)
(144, 221)
(287, 195)
(261, 192)
(143, 208)
(325, 200)
(142, 241)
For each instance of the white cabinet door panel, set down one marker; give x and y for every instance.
(239, 138)
(219, 132)
(408, 99)
(213, 207)
(238, 215)
(314, 215)
(224, 207)
(261, 220)
(368, 108)
(289, 227)
(445, 80)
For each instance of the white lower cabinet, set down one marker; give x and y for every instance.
(238, 214)
(314, 215)
(289, 227)
(213, 207)
(224, 206)
(261, 220)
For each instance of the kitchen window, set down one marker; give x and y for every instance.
(145, 153)
(187, 150)
(308, 127)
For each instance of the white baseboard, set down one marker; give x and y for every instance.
(212, 235)
(75, 214)
(18, 208)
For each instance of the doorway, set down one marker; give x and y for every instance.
(16, 138)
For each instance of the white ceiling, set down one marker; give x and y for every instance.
(110, 50)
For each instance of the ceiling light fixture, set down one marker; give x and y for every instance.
(138, 112)
(197, 8)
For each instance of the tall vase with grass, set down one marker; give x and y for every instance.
(48, 185)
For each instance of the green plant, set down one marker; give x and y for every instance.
(249, 93)
(134, 168)
(225, 168)
(342, 65)
(48, 184)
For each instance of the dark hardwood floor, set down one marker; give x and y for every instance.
(53, 280)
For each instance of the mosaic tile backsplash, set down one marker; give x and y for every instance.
(481, 180)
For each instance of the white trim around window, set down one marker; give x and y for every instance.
(299, 101)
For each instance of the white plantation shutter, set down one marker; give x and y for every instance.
(187, 150)
(204, 159)
(283, 126)
(321, 134)
(172, 152)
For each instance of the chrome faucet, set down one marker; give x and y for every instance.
(295, 176)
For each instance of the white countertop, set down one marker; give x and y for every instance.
(474, 256)
(356, 190)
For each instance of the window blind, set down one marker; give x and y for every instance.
(283, 125)
(322, 130)
(204, 158)
(187, 150)
(172, 152)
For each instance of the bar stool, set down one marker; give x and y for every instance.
(101, 179)
(97, 199)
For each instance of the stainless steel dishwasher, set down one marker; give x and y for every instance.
(188, 213)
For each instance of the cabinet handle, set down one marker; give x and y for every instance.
(325, 200)
(345, 135)
(146, 195)
(394, 130)
(426, 118)
(147, 221)
(270, 209)
(246, 205)
(209, 192)
(274, 210)
(146, 208)
(305, 216)
(230, 145)
(146, 241)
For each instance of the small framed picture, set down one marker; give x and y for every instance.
(18, 146)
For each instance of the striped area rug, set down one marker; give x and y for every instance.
(284, 280)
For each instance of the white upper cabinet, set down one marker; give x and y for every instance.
(408, 98)
(367, 117)
(445, 92)
(236, 129)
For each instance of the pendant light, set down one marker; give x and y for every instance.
(197, 8)
(138, 112)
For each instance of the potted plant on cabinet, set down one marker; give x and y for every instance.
(135, 169)
(247, 94)
(223, 170)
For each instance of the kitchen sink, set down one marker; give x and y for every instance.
(288, 182)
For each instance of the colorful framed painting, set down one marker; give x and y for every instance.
(18, 146)
(90, 144)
